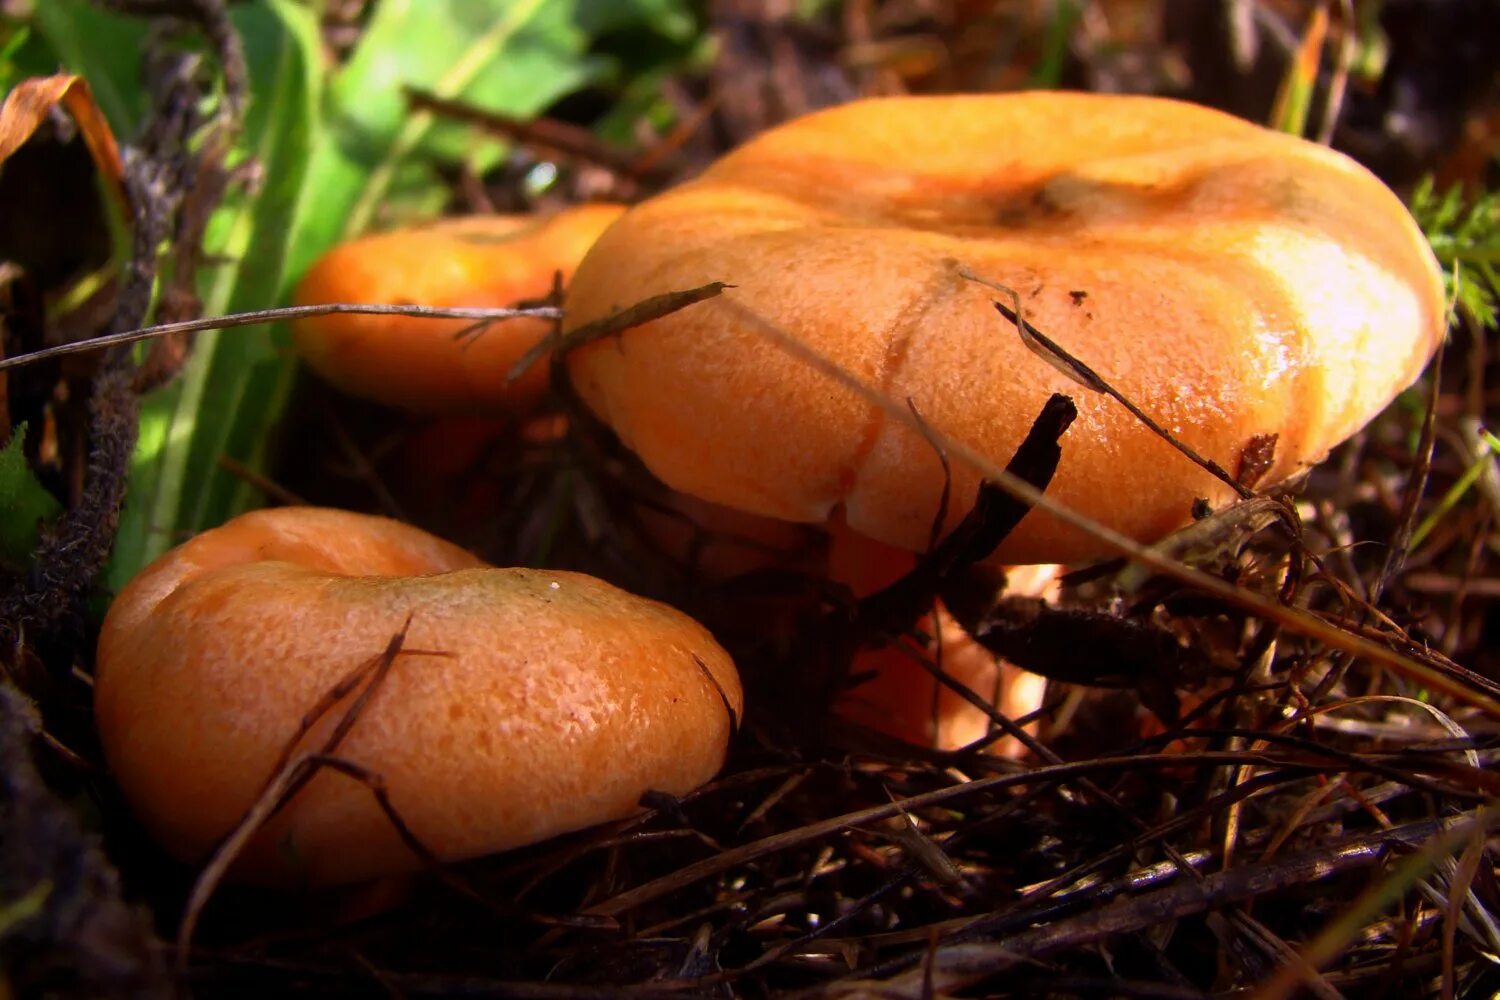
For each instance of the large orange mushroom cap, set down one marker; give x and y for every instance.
(480, 261)
(525, 703)
(1232, 281)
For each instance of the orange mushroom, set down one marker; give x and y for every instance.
(1233, 281)
(420, 364)
(1238, 284)
(523, 703)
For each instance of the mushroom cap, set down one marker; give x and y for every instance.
(1232, 281)
(480, 261)
(525, 703)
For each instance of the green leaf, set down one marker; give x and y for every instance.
(15, 912)
(672, 19)
(1465, 236)
(336, 149)
(19, 46)
(1485, 462)
(1049, 68)
(235, 383)
(1293, 104)
(329, 154)
(25, 504)
(510, 56)
(105, 48)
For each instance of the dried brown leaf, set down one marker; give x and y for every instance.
(32, 100)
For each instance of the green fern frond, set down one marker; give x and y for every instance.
(1465, 235)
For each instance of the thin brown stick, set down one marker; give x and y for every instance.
(1416, 486)
(959, 965)
(288, 776)
(1054, 353)
(642, 312)
(560, 136)
(733, 856)
(259, 316)
(260, 481)
(375, 784)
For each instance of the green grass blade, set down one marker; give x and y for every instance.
(234, 385)
(24, 504)
(105, 48)
(376, 155)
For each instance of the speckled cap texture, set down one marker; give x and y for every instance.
(524, 703)
(1233, 281)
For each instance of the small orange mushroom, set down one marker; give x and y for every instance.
(524, 703)
(419, 364)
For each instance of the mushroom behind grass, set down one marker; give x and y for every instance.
(420, 364)
(520, 704)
